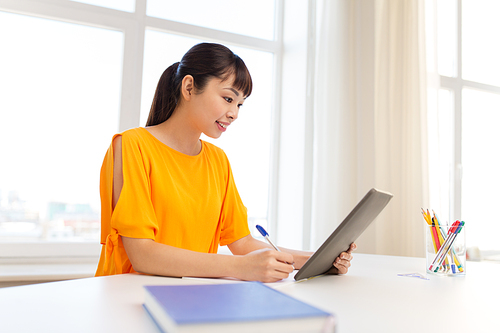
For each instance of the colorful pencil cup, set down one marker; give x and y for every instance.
(445, 246)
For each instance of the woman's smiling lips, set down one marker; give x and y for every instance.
(222, 126)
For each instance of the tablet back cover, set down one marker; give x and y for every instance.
(347, 232)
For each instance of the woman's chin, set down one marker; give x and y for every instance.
(213, 136)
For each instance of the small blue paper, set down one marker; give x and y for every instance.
(415, 275)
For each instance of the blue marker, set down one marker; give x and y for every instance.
(264, 233)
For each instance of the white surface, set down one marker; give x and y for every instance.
(45, 272)
(370, 298)
(373, 298)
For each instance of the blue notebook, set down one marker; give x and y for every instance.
(234, 307)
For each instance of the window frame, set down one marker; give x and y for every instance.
(133, 26)
(456, 85)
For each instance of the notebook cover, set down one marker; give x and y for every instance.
(248, 301)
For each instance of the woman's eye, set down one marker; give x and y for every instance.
(228, 99)
(240, 105)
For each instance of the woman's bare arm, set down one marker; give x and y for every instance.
(339, 266)
(148, 256)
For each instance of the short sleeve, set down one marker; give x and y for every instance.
(234, 214)
(134, 214)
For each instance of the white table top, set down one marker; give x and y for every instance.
(370, 298)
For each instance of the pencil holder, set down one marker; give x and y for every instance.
(445, 249)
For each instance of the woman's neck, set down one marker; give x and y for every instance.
(177, 133)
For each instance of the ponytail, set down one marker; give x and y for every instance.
(166, 96)
(203, 62)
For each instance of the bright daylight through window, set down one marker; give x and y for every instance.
(60, 105)
(464, 176)
(62, 102)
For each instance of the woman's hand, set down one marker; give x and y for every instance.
(343, 261)
(265, 265)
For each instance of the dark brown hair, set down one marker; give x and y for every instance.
(203, 62)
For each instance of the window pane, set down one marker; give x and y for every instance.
(480, 159)
(247, 143)
(125, 5)
(251, 18)
(480, 51)
(60, 87)
(447, 37)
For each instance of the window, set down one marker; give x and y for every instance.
(464, 112)
(481, 179)
(236, 16)
(60, 100)
(125, 5)
(68, 87)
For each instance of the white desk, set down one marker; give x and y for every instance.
(370, 298)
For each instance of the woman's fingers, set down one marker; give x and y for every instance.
(353, 247)
(342, 265)
(267, 265)
(343, 261)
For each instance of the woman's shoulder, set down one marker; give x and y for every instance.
(135, 136)
(216, 155)
(132, 140)
(212, 149)
(133, 133)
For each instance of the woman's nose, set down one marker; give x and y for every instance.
(233, 114)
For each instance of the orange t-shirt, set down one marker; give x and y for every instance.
(190, 202)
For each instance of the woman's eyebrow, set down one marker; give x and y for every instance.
(234, 91)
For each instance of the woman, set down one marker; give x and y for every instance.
(169, 199)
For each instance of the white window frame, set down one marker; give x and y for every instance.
(133, 25)
(456, 86)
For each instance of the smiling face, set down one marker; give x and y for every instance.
(216, 107)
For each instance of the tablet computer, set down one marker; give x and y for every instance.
(347, 232)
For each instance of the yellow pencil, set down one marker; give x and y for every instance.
(427, 219)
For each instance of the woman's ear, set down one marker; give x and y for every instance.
(187, 87)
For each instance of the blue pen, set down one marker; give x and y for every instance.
(264, 233)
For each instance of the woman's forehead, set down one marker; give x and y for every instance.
(228, 84)
(241, 81)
